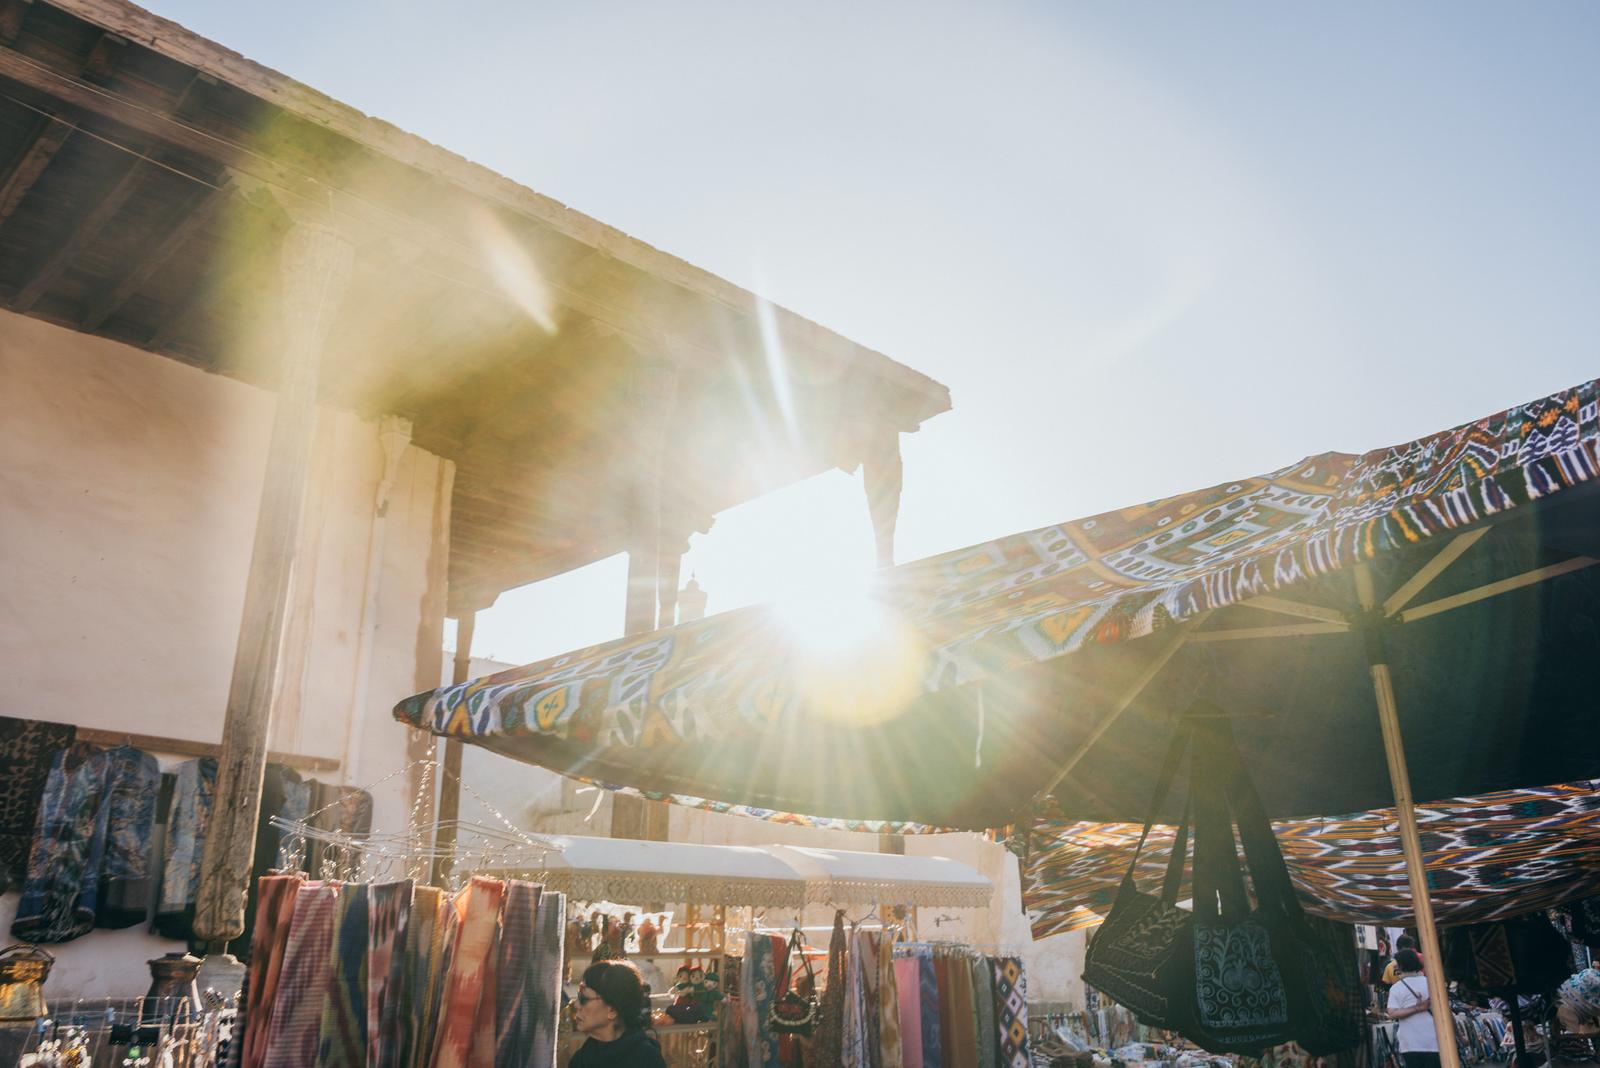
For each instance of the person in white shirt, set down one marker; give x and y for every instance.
(1408, 1003)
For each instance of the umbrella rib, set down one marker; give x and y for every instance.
(1432, 570)
(1494, 589)
(1287, 630)
(1146, 675)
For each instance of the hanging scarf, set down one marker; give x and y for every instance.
(931, 1027)
(890, 1052)
(963, 1017)
(186, 834)
(983, 998)
(78, 843)
(1011, 1011)
(908, 989)
(765, 958)
(863, 997)
(478, 907)
(389, 912)
(827, 1048)
(124, 865)
(519, 947)
(342, 1041)
(419, 945)
(547, 967)
(275, 902)
(296, 1019)
(27, 750)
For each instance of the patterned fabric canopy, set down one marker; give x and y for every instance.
(1488, 857)
(960, 708)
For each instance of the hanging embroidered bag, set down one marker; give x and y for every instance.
(793, 1013)
(1136, 958)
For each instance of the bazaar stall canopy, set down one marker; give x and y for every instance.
(1488, 858)
(774, 876)
(1052, 662)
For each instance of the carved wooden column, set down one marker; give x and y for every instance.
(316, 268)
(881, 473)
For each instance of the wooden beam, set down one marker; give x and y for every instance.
(12, 12)
(49, 136)
(187, 747)
(449, 816)
(103, 58)
(193, 216)
(88, 228)
(1297, 608)
(1288, 630)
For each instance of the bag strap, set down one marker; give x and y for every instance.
(1180, 854)
(797, 947)
(1218, 880)
(1268, 873)
(1169, 771)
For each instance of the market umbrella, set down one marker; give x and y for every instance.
(1447, 579)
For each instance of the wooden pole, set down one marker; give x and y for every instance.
(444, 828)
(316, 267)
(1410, 838)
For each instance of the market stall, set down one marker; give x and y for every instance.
(1321, 601)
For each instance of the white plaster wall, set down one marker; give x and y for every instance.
(129, 486)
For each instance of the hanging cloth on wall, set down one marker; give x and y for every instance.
(27, 750)
(186, 836)
(94, 817)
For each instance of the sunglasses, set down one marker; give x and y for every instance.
(584, 997)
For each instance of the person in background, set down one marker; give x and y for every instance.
(1392, 972)
(1408, 1003)
(613, 1009)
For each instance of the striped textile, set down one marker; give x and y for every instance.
(389, 911)
(342, 1042)
(419, 951)
(482, 1052)
(477, 908)
(853, 1033)
(519, 944)
(963, 1017)
(296, 1020)
(275, 902)
(547, 970)
(932, 1030)
(908, 991)
(864, 949)
(983, 1000)
(890, 1051)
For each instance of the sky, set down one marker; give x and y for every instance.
(1149, 247)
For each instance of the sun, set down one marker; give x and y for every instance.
(855, 659)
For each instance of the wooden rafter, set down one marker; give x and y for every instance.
(49, 135)
(88, 228)
(12, 12)
(193, 216)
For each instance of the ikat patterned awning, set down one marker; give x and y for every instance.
(1488, 857)
(965, 704)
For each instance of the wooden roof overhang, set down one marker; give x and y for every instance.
(147, 176)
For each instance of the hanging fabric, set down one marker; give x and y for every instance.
(27, 751)
(275, 904)
(296, 1020)
(1011, 1012)
(342, 1040)
(932, 1029)
(389, 914)
(983, 999)
(891, 1048)
(908, 990)
(828, 1044)
(478, 908)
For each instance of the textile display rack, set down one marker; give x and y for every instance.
(159, 1031)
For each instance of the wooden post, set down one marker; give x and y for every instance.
(444, 830)
(1406, 815)
(316, 267)
(881, 476)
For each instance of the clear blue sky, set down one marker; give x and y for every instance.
(1148, 246)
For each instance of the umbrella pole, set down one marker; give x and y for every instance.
(1410, 838)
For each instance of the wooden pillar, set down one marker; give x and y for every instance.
(444, 830)
(316, 267)
(881, 475)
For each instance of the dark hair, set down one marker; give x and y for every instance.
(1405, 942)
(619, 985)
(1408, 960)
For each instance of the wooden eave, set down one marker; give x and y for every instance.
(147, 176)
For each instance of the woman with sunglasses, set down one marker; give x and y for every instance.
(613, 1010)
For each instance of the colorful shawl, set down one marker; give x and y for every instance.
(424, 948)
(478, 906)
(862, 993)
(342, 1042)
(296, 1020)
(547, 970)
(764, 960)
(827, 1045)
(963, 1015)
(890, 1051)
(1011, 1011)
(275, 907)
(908, 991)
(27, 750)
(389, 911)
(983, 1001)
(58, 898)
(123, 854)
(448, 937)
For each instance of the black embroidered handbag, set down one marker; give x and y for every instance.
(793, 1013)
(1137, 958)
(1274, 973)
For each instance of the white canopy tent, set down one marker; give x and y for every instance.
(775, 876)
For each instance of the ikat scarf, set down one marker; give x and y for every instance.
(296, 1020)
(931, 1026)
(890, 1051)
(471, 966)
(342, 1041)
(275, 904)
(389, 911)
(908, 991)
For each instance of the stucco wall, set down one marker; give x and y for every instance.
(128, 499)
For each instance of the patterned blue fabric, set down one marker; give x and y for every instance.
(759, 985)
(931, 1054)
